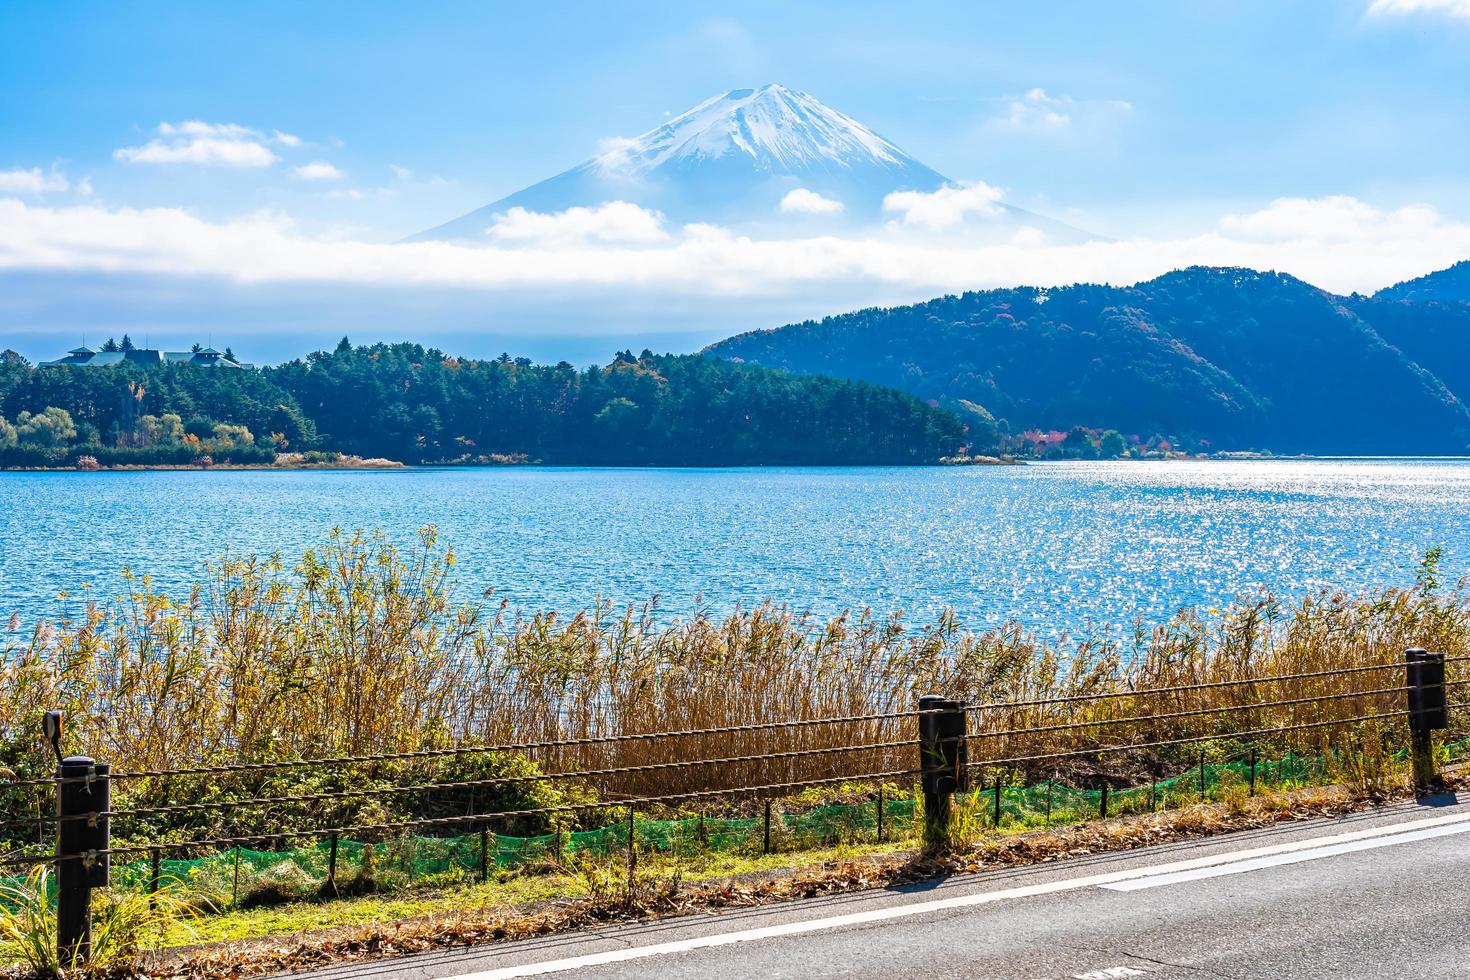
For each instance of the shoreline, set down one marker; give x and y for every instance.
(360, 465)
(347, 464)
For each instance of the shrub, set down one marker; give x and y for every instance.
(123, 925)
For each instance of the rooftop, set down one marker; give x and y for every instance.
(205, 357)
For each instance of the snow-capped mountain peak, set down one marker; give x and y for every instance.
(779, 129)
(770, 160)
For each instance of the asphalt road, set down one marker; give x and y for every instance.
(1382, 895)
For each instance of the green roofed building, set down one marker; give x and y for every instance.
(205, 357)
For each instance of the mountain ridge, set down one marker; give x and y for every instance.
(1227, 357)
(1451, 285)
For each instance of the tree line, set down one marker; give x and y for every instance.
(406, 402)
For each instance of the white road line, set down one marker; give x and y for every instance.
(1459, 821)
(1256, 864)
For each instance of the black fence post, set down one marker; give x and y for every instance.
(880, 813)
(1102, 802)
(155, 876)
(484, 853)
(632, 852)
(332, 867)
(1251, 756)
(83, 798)
(999, 788)
(1427, 711)
(943, 764)
(1202, 789)
(766, 830)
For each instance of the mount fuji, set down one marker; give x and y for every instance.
(771, 159)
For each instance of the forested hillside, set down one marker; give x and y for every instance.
(1450, 285)
(1215, 358)
(409, 403)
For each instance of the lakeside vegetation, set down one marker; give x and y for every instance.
(358, 648)
(417, 405)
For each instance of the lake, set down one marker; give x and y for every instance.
(1058, 546)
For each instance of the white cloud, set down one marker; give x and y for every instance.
(407, 176)
(1028, 237)
(1363, 253)
(35, 181)
(947, 207)
(616, 221)
(361, 194)
(1452, 8)
(613, 153)
(1039, 111)
(803, 201)
(1334, 218)
(317, 170)
(207, 144)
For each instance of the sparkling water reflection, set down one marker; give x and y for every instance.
(1058, 546)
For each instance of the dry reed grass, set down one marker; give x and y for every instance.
(359, 648)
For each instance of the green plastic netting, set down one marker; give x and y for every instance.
(241, 877)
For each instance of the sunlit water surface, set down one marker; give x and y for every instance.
(1060, 546)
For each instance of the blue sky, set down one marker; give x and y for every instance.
(1163, 126)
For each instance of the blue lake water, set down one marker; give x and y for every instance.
(1059, 546)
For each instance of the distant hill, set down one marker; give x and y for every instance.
(1232, 358)
(1450, 285)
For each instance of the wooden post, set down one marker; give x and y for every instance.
(332, 867)
(766, 835)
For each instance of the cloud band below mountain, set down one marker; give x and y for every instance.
(1339, 243)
